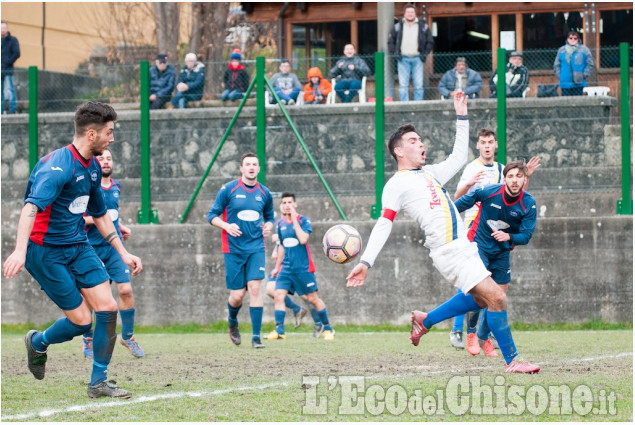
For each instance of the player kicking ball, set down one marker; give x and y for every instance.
(418, 190)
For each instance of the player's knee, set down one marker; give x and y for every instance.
(498, 301)
(125, 290)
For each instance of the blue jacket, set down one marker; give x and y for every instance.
(194, 78)
(448, 83)
(578, 65)
(162, 83)
(10, 53)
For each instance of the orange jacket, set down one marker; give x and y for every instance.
(324, 87)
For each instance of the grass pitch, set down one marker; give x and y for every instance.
(377, 376)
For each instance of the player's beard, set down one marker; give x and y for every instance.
(511, 192)
(106, 173)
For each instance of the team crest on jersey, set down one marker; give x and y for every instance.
(513, 213)
(258, 198)
(115, 194)
(93, 176)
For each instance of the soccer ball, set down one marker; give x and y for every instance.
(342, 243)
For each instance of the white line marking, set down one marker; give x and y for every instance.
(143, 399)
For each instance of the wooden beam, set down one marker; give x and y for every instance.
(355, 34)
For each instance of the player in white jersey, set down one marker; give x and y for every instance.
(476, 175)
(419, 191)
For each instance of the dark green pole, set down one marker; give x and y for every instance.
(145, 215)
(625, 205)
(375, 210)
(501, 107)
(33, 122)
(261, 122)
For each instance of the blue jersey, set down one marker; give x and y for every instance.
(111, 197)
(518, 218)
(297, 257)
(63, 186)
(249, 208)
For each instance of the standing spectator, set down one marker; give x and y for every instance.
(411, 41)
(162, 79)
(318, 88)
(10, 54)
(573, 65)
(460, 78)
(516, 77)
(236, 79)
(191, 82)
(286, 84)
(351, 69)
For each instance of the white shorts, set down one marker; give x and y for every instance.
(458, 261)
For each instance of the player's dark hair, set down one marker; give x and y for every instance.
(93, 115)
(247, 155)
(520, 164)
(408, 6)
(395, 139)
(485, 132)
(288, 195)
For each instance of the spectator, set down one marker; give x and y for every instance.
(516, 77)
(10, 54)
(286, 84)
(191, 82)
(578, 65)
(410, 41)
(460, 78)
(351, 69)
(318, 88)
(236, 78)
(162, 79)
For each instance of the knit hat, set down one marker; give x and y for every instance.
(235, 55)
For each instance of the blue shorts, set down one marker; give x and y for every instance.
(62, 271)
(301, 282)
(241, 268)
(498, 265)
(116, 268)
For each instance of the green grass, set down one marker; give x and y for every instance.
(200, 376)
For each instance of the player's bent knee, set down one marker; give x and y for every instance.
(124, 289)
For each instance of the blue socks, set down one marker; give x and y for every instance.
(458, 304)
(483, 328)
(104, 338)
(324, 318)
(256, 320)
(61, 331)
(473, 320)
(233, 314)
(315, 316)
(279, 317)
(497, 321)
(288, 303)
(458, 320)
(127, 323)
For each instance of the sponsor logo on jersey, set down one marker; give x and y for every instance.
(93, 176)
(249, 215)
(56, 169)
(113, 213)
(496, 206)
(79, 178)
(436, 201)
(239, 196)
(497, 224)
(78, 206)
(290, 242)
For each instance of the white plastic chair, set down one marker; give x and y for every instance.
(361, 94)
(596, 91)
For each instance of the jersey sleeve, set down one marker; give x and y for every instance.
(96, 203)
(47, 182)
(306, 225)
(445, 170)
(467, 175)
(219, 204)
(268, 212)
(527, 226)
(468, 200)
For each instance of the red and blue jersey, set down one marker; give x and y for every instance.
(297, 257)
(517, 218)
(111, 197)
(63, 186)
(249, 208)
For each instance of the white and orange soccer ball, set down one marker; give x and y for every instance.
(342, 243)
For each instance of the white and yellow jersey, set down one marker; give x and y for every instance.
(492, 174)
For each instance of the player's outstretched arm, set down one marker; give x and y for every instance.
(15, 262)
(460, 103)
(357, 276)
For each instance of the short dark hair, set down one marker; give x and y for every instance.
(408, 6)
(94, 115)
(520, 164)
(285, 60)
(573, 32)
(288, 195)
(395, 139)
(247, 155)
(485, 132)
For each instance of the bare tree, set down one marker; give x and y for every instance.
(167, 23)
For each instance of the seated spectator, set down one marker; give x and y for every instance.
(317, 89)
(191, 82)
(516, 77)
(162, 79)
(236, 79)
(286, 84)
(460, 78)
(351, 69)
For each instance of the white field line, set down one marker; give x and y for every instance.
(144, 399)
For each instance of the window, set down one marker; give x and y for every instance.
(545, 33)
(615, 27)
(469, 36)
